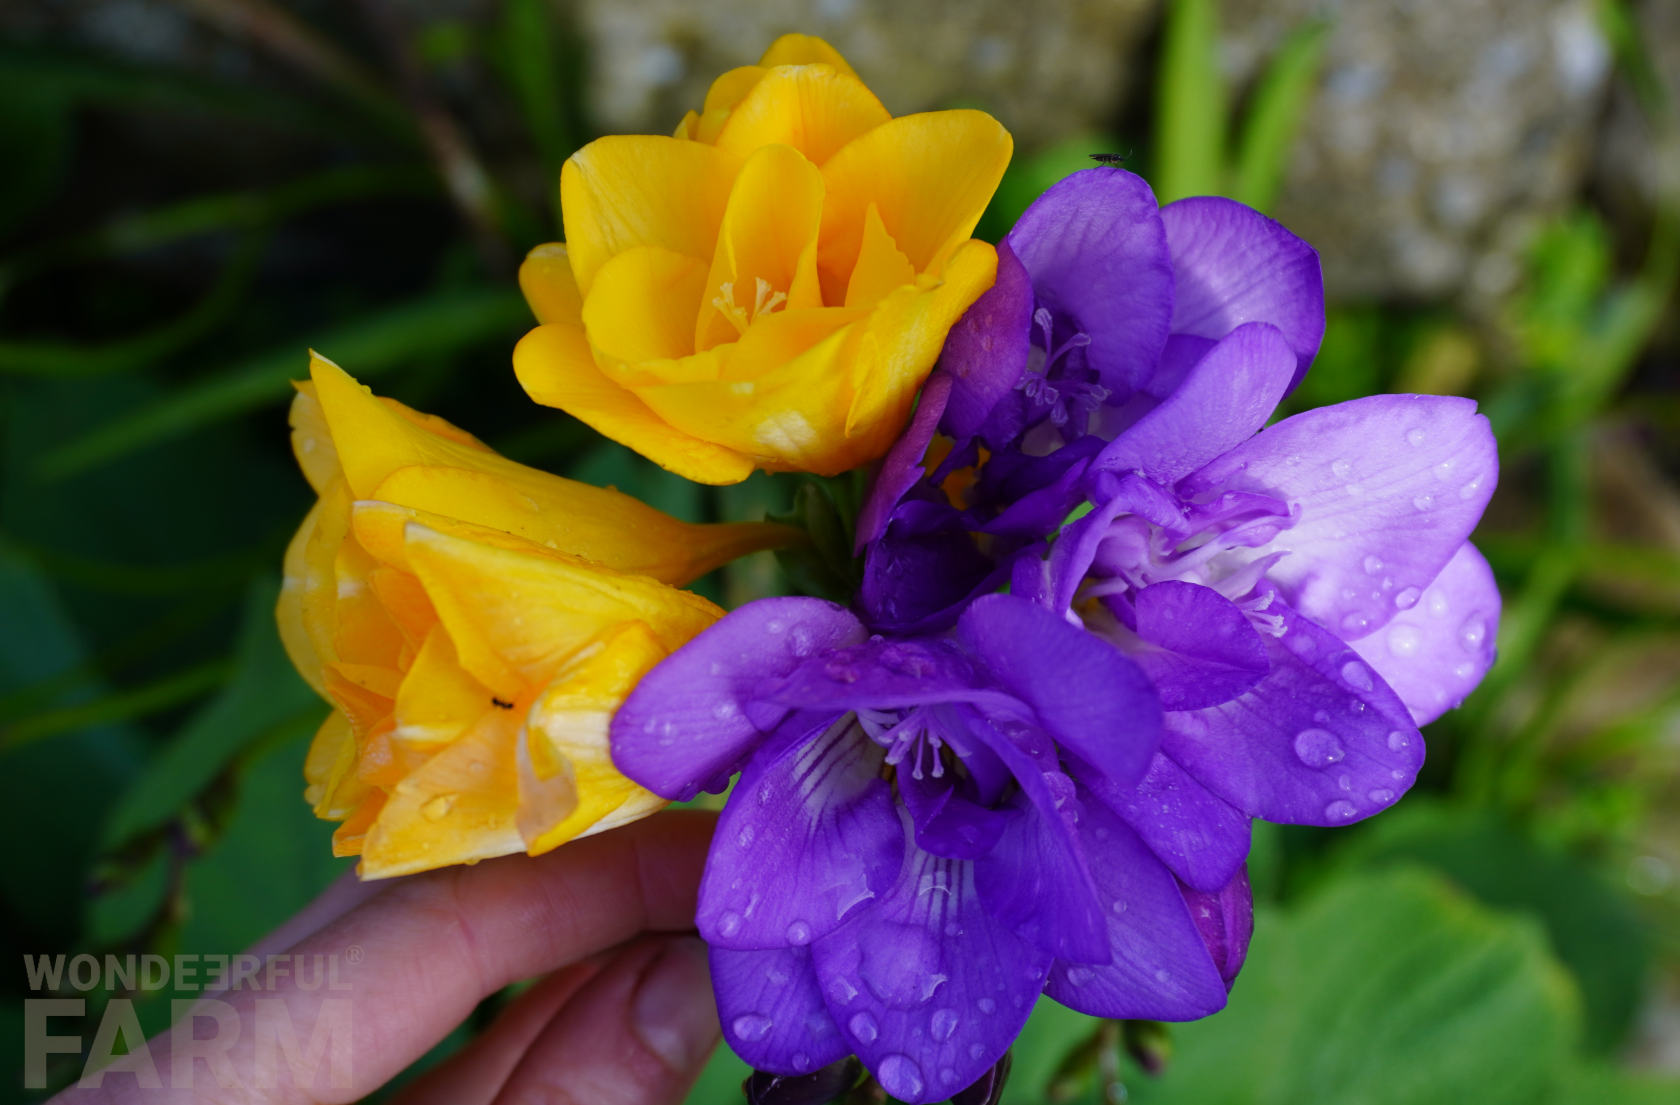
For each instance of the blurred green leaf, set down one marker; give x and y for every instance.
(1190, 104)
(1274, 117)
(529, 59)
(1593, 927)
(1605, 1085)
(153, 697)
(720, 1082)
(1385, 989)
(377, 343)
(263, 697)
(1027, 178)
(35, 132)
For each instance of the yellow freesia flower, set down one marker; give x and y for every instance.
(770, 287)
(474, 623)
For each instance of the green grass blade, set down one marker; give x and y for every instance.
(1190, 98)
(1274, 119)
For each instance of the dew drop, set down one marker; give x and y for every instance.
(1407, 599)
(744, 838)
(1404, 641)
(1373, 565)
(944, 1024)
(1397, 775)
(799, 933)
(1118, 906)
(1079, 976)
(1437, 604)
(774, 626)
(751, 1026)
(1357, 675)
(1355, 624)
(1345, 782)
(801, 641)
(801, 1060)
(1414, 437)
(841, 991)
(975, 1051)
(1444, 469)
(862, 1025)
(437, 808)
(1468, 491)
(1340, 469)
(724, 710)
(1341, 810)
(1163, 975)
(1472, 634)
(729, 924)
(900, 1076)
(1318, 747)
(1464, 671)
(948, 1076)
(1382, 795)
(1399, 741)
(986, 1005)
(1423, 502)
(1354, 490)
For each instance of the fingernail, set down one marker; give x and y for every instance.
(672, 1012)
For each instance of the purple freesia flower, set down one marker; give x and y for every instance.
(927, 833)
(1302, 597)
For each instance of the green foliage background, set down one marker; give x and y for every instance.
(1497, 938)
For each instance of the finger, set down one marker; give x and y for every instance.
(637, 1034)
(341, 896)
(473, 1074)
(411, 962)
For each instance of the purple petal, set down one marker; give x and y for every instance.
(1096, 251)
(1321, 740)
(695, 717)
(902, 466)
(1206, 650)
(1200, 836)
(1388, 487)
(1226, 921)
(1437, 652)
(1181, 354)
(1233, 265)
(926, 987)
(1077, 547)
(1095, 703)
(925, 567)
(772, 1012)
(1161, 969)
(947, 822)
(1223, 400)
(986, 351)
(886, 674)
(809, 834)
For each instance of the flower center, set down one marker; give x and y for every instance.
(766, 299)
(1055, 382)
(907, 736)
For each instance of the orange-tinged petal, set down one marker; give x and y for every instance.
(363, 633)
(347, 838)
(545, 276)
(515, 617)
(318, 596)
(403, 598)
(438, 699)
(330, 769)
(816, 109)
(881, 266)
(929, 175)
(766, 255)
(556, 368)
(459, 807)
(288, 611)
(624, 191)
(798, 49)
(642, 305)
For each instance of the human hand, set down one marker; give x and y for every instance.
(622, 1016)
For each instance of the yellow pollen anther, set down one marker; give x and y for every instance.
(765, 301)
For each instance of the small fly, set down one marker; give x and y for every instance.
(1112, 160)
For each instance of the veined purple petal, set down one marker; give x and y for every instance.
(1388, 487)
(1097, 704)
(1162, 968)
(695, 717)
(809, 834)
(918, 574)
(1233, 265)
(1205, 649)
(885, 674)
(986, 351)
(1321, 740)
(1200, 836)
(902, 466)
(947, 822)
(1224, 398)
(1436, 651)
(772, 1011)
(1096, 251)
(927, 988)
(1226, 921)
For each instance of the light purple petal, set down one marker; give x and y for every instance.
(1321, 740)
(902, 466)
(1205, 649)
(1436, 652)
(809, 834)
(928, 990)
(695, 717)
(1161, 969)
(1097, 704)
(1200, 836)
(986, 351)
(1226, 921)
(1097, 254)
(1224, 398)
(1388, 487)
(772, 1012)
(1233, 265)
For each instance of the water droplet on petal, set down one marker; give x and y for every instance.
(986, 1005)
(1341, 810)
(900, 1076)
(437, 807)
(1318, 747)
(1357, 675)
(745, 837)
(1079, 976)
(1381, 796)
(799, 933)
(1414, 437)
(751, 1026)
(1355, 624)
(948, 1077)
(801, 642)
(1464, 671)
(1119, 906)
(1163, 975)
(1404, 641)
(841, 991)
(1423, 502)
(1399, 741)
(1444, 469)
(729, 924)
(862, 1025)
(1468, 491)
(1373, 565)
(1472, 634)
(1407, 599)
(1437, 604)
(1345, 782)
(944, 1024)
(724, 710)
(1340, 469)
(774, 626)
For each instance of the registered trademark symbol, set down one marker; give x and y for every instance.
(353, 954)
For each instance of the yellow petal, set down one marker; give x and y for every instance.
(881, 266)
(624, 191)
(566, 735)
(731, 88)
(816, 109)
(318, 595)
(797, 49)
(515, 617)
(329, 769)
(766, 256)
(347, 838)
(363, 633)
(288, 611)
(457, 808)
(438, 699)
(930, 176)
(546, 278)
(556, 368)
(642, 305)
(312, 439)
